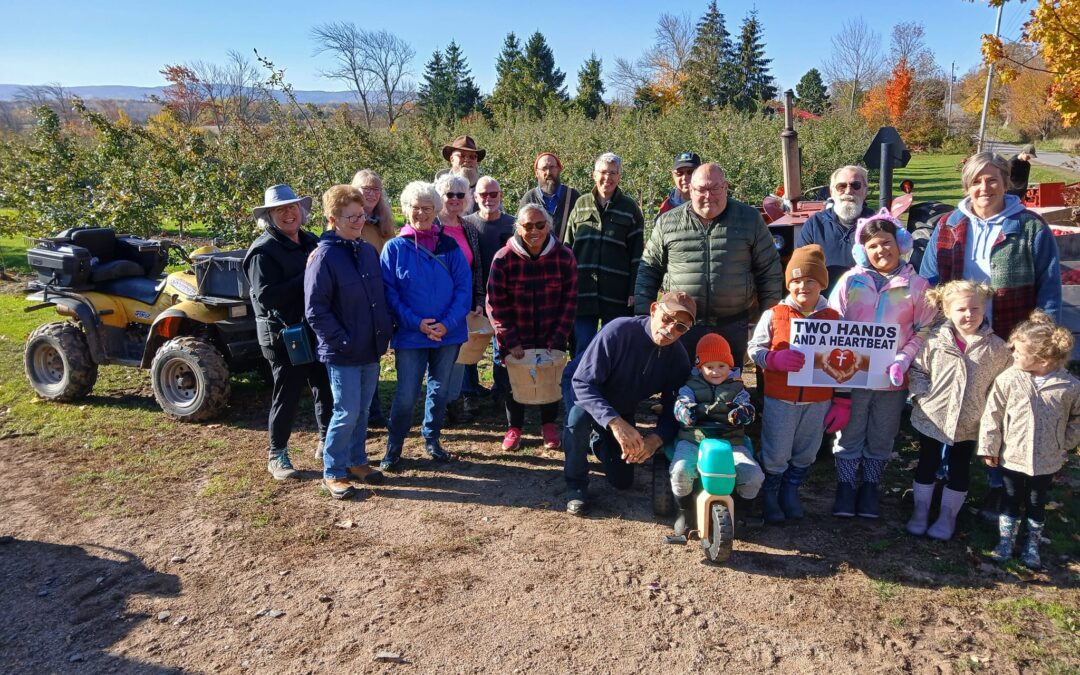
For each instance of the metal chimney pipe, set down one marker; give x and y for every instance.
(789, 141)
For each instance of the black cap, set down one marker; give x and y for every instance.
(687, 159)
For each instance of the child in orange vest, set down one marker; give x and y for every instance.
(794, 418)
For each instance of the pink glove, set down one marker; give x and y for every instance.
(896, 374)
(838, 416)
(787, 360)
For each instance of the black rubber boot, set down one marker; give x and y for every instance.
(747, 518)
(687, 519)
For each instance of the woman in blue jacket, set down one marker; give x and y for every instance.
(429, 288)
(345, 305)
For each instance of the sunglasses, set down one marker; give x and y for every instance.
(855, 186)
(454, 195)
(489, 195)
(676, 325)
(538, 226)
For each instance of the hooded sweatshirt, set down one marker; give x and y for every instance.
(531, 300)
(1022, 264)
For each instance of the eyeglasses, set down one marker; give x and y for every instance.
(354, 219)
(676, 325)
(489, 195)
(423, 209)
(855, 186)
(454, 195)
(539, 226)
(710, 189)
(370, 189)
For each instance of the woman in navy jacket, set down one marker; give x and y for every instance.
(345, 305)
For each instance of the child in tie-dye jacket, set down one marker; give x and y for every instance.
(881, 288)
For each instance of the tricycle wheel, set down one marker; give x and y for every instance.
(190, 379)
(663, 501)
(717, 545)
(58, 362)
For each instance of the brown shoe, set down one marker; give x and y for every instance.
(367, 474)
(339, 488)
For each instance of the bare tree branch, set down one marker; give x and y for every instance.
(386, 58)
(856, 58)
(345, 43)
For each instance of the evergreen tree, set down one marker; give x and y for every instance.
(544, 80)
(433, 97)
(466, 95)
(753, 82)
(590, 89)
(710, 65)
(509, 93)
(448, 91)
(811, 93)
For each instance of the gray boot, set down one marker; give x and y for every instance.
(279, 465)
(1030, 556)
(1007, 531)
(920, 518)
(951, 503)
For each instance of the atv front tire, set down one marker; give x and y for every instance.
(190, 379)
(663, 500)
(58, 362)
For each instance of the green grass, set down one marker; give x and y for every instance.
(937, 177)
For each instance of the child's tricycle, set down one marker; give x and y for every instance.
(715, 508)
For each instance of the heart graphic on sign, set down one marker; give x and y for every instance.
(841, 359)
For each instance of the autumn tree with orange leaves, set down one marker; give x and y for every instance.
(1054, 28)
(183, 97)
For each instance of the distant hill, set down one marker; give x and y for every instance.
(123, 93)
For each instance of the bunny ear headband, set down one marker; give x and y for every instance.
(903, 237)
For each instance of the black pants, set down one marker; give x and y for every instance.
(289, 382)
(515, 412)
(1022, 489)
(736, 330)
(957, 457)
(582, 432)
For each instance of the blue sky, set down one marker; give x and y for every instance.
(126, 42)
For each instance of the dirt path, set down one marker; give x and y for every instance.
(468, 570)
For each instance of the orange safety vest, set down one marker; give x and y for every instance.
(776, 381)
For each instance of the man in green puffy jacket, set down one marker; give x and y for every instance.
(720, 252)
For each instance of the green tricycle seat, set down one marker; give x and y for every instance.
(716, 464)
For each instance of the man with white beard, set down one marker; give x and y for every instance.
(834, 227)
(464, 158)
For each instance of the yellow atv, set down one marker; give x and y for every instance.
(190, 329)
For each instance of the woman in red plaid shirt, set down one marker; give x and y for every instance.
(531, 299)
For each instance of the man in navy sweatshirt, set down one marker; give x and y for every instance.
(631, 359)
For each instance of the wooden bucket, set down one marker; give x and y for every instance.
(536, 378)
(480, 334)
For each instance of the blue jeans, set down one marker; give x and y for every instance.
(437, 362)
(585, 329)
(454, 385)
(499, 376)
(353, 387)
(578, 439)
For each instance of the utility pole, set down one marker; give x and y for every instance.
(948, 105)
(989, 82)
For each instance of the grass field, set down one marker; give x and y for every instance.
(937, 177)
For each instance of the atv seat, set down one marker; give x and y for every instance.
(143, 289)
(111, 258)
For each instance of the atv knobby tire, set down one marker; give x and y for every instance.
(190, 379)
(663, 500)
(58, 362)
